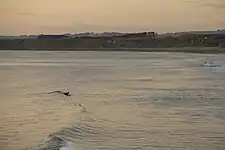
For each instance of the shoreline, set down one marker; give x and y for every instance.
(200, 50)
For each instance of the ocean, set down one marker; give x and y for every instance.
(119, 101)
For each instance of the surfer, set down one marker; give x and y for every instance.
(61, 92)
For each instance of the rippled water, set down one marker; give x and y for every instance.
(156, 101)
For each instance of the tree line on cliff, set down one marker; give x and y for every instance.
(132, 40)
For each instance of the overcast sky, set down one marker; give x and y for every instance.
(70, 16)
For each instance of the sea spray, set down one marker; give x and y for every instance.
(69, 146)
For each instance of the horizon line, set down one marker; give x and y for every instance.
(158, 33)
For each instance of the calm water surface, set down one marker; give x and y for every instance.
(139, 101)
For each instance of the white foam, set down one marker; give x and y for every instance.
(209, 64)
(70, 146)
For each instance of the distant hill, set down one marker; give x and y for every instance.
(177, 34)
(42, 36)
(115, 40)
(112, 34)
(19, 37)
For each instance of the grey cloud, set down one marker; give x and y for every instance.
(220, 4)
(214, 5)
(192, 1)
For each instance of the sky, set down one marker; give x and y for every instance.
(19, 17)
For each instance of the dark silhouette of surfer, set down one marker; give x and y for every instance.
(68, 94)
(61, 92)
